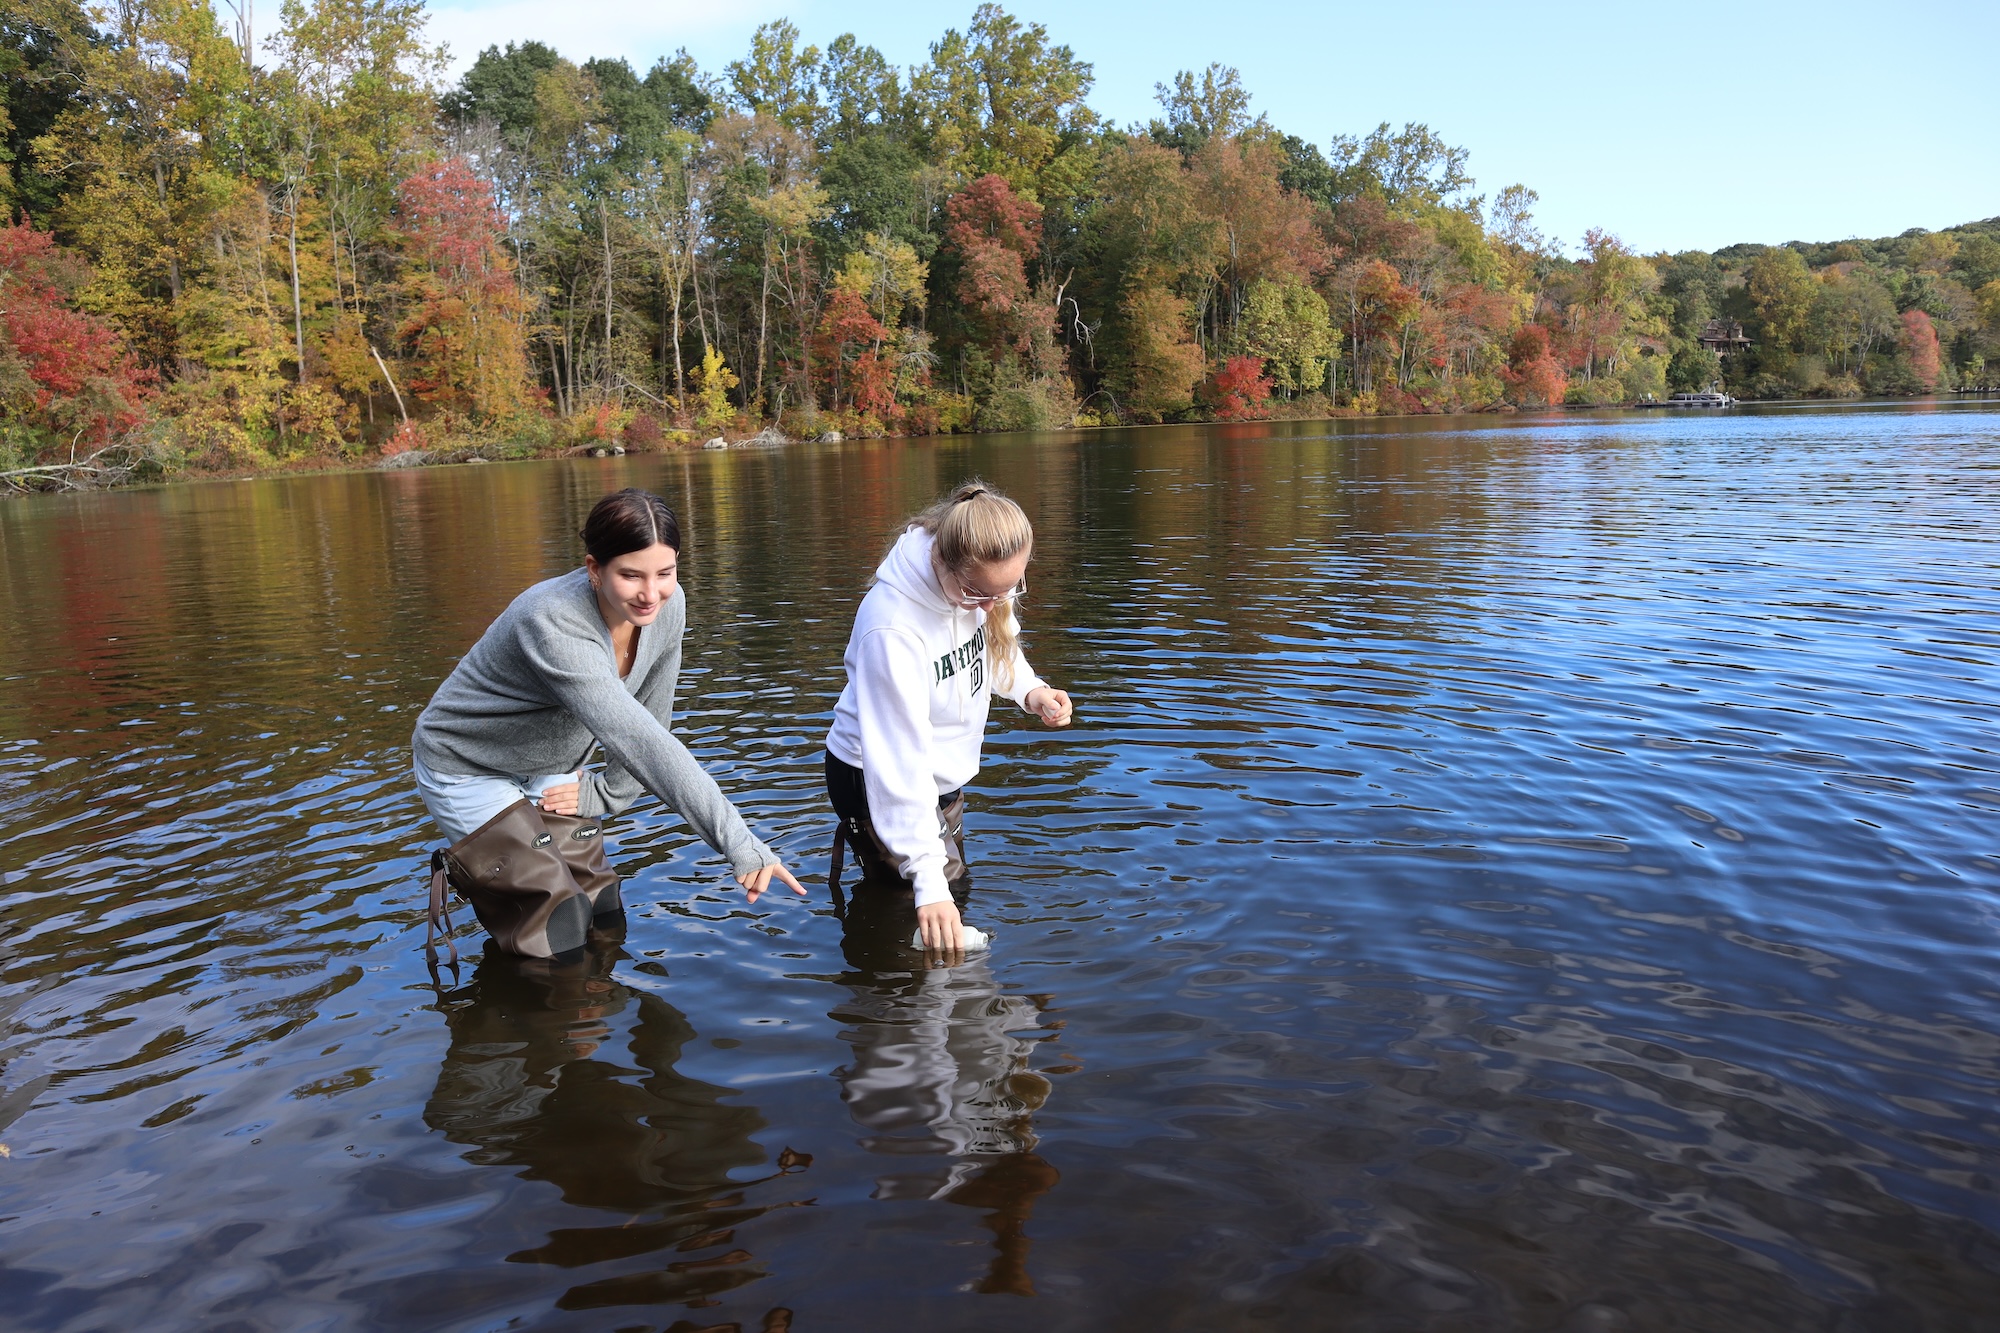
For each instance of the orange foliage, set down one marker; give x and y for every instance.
(848, 360)
(1240, 391)
(464, 322)
(1532, 375)
(1921, 342)
(1266, 231)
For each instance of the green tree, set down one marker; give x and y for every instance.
(1288, 325)
(1148, 247)
(1693, 282)
(999, 99)
(1408, 168)
(1694, 369)
(1782, 292)
(165, 102)
(1200, 107)
(500, 87)
(352, 98)
(876, 183)
(861, 91)
(1513, 221)
(781, 79)
(1607, 312)
(1978, 261)
(38, 40)
(1873, 314)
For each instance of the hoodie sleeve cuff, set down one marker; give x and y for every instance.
(930, 887)
(749, 860)
(1020, 695)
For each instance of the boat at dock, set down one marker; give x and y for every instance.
(1710, 398)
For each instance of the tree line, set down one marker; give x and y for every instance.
(248, 249)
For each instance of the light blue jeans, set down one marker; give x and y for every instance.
(460, 802)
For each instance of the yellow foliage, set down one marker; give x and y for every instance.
(1934, 251)
(1288, 325)
(345, 351)
(791, 209)
(887, 274)
(1782, 291)
(1989, 305)
(1165, 362)
(316, 420)
(712, 385)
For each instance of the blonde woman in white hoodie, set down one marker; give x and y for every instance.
(933, 641)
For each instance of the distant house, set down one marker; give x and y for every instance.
(1723, 336)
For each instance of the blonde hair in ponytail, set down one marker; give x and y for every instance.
(977, 525)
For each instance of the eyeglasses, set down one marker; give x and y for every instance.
(968, 599)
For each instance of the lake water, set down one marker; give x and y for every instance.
(1504, 875)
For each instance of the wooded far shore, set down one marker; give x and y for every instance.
(228, 252)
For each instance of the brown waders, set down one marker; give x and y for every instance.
(537, 882)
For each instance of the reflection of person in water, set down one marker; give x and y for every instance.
(940, 1070)
(558, 1068)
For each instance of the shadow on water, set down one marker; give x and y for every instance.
(1504, 876)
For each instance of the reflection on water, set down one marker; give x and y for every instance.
(557, 1069)
(940, 1077)
(1504, 875)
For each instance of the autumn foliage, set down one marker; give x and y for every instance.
(64, 374)
(463, 326)
(1920, 340)
(315, 255)
(1534, 378)
(848, 356)
(995, 233)
(1239, 391)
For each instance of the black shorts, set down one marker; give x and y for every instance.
(848, 791)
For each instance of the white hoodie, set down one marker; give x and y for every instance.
(914, 710)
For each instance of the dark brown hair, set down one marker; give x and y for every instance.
(626, 521)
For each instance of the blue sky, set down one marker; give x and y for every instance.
(1679, 126)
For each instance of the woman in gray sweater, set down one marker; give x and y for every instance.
(589, 657)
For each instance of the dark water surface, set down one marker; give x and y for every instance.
(1503, 876)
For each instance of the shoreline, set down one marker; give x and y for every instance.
(769, 438)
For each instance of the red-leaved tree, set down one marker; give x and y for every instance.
(847, 356)
(994, 232)
(64, 375)
(463, 326)
(1240, 391)
(1532, 374)
(1921, 342)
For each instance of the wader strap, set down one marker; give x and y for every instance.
(833, 871)
(440, 912)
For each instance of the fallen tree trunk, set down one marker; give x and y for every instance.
(113, 465)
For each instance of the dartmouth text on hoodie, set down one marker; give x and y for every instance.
(914, 710)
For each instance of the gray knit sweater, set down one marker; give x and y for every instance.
(542, 685)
